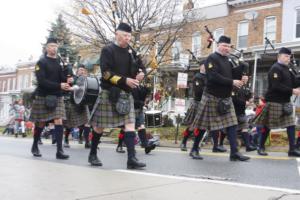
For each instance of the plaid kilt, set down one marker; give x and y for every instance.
(191, 113)
(76, 116)
(106, 117)
(208, 118)
(39, 112)
(273, 117)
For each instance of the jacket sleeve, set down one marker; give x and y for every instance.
(106, 65)
(275, 77)
(213, 74)
(41, 76)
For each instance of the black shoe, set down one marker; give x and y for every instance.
(36, 152)
(195, 155)
(53, 141)
(294, 153)
(80, 142)
(149, 148)
(61, 155)
(219, 149)
(238, 157)
(120, 150)
(133, 163)
(262, 152)
(250, 148)
(16, 135)
(24, 135)
(40, 142)
(183, 147)
(87, 145)
(94, 160)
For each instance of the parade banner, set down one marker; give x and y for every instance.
(179, 105)
(182, 80)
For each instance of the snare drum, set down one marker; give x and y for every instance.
(87, 91)
(153, 118)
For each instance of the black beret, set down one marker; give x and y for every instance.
(224, 39)
(284, 50)
(51, 40)
(124, 27)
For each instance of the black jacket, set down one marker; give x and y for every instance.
(49, 76)
(281, 83)
(199, 82)
(117, 64)
(220, 75)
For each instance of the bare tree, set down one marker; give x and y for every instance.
(153, 22)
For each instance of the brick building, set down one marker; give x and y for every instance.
(247, 22)
(12, 83)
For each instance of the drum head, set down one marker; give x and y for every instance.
(79, 94)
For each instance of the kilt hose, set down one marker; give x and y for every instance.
(191, 113)
(39, 112)
(208, 117)
(105, 115)
(76, 115)
(272, 117)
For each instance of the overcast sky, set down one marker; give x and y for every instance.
(24, 25)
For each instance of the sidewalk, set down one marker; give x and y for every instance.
(45, 180)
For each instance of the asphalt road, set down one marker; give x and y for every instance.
(276, 170)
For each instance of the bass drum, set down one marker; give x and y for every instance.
(87, 91)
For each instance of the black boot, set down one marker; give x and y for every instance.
(219, 149)
(93, 159)
(196, 155)
(35, 149)
(262, 152)
(238, 157)
(246, 140)
(186, 135)
(294, 153)
(66, 142)
(120, 149)
(59, 130)
(80, 141)
(132, 162)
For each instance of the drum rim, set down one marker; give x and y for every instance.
(78, 102)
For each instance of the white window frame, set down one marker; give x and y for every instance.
(297, 9)
(265, 29)
(176, 47)
(216, 37)
(238, 34)
(196, 48)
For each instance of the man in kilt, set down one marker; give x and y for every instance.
(199, 82)
(77, 115)
(240, 98)
(120, 74)
(278, 112)
(216, 111)
(48, 104)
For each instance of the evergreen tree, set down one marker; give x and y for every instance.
(60, 31)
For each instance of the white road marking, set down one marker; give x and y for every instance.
(298, 161)
(286, 190)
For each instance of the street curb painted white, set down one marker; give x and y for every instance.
(286, 190)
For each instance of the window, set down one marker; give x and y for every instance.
(196, 44)
(298, 23)
(243, 34)
(159, 52)
(217, 34)
(270, 29)
(176, 49)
